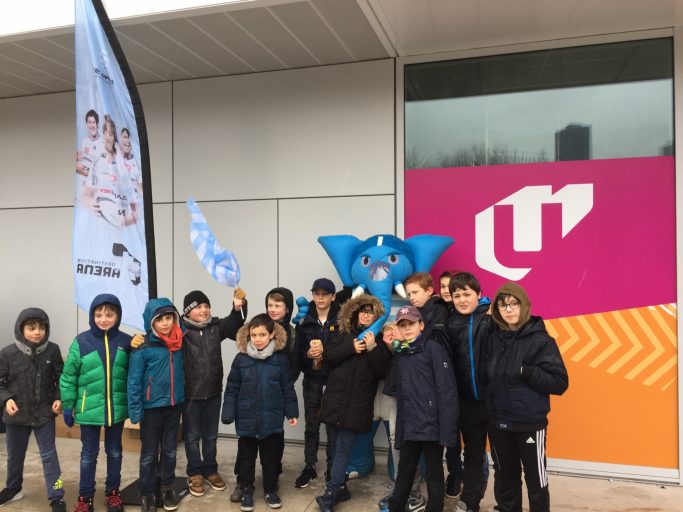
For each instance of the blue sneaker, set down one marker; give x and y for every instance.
(273, 500)
(383, 503)
(247, 503)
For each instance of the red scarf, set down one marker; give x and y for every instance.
(174, 341)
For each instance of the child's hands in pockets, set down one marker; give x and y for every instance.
(292, 421)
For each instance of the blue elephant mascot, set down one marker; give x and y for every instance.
(378, 266)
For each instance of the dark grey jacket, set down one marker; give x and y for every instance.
(29, 374)
(202, 358)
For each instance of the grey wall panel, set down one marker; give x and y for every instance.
(36, 270)
(157, 104)
(37, 141)
(302, 221)
(302, 133)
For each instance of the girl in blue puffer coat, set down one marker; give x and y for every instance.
(259, 395)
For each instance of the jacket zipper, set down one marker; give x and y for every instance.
(83, 402)
(149, 387)
(108, 377)
(170, 355)
(471, 341)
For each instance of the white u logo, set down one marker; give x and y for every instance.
(576, 201)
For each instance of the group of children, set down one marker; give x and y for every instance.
(448, 367)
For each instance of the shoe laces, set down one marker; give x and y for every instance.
(113, 500)
(82, 505)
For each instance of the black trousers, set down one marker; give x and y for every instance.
(511, 451)
(313, 393)
(474, 428)
(407, 465)
(268, 451)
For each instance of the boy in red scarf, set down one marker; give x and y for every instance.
(155, 397)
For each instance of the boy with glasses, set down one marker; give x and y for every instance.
(522, 367)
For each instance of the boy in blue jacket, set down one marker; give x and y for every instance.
(258, 396)
(427, 403)
(156, 394)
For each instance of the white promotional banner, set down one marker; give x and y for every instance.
(112, 251)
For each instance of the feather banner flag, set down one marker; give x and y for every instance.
(219, 262)
(113, 242)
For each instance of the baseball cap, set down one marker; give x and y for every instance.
(408, 313)
(324, 284)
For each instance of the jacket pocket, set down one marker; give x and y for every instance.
(148, 394)
(83, 401)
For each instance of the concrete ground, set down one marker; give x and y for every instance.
(567, 493)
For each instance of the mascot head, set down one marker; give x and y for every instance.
(380, 264)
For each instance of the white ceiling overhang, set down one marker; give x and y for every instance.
(251, 36)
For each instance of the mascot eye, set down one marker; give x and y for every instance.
(393, 259)
(365, 261)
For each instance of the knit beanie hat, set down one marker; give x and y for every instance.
(194, 299)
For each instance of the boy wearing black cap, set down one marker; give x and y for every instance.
(203, 365)
(427, 403)
(313, 333)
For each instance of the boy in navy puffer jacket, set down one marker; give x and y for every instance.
(427, 403)
(258, 396)
(156, 392)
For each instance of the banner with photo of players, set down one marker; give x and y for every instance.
(113, 249)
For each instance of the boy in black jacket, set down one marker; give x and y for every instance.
(467, 330)
(312, 334)
(29, 393)
(427, 400)
(203, 366)
(522, 367)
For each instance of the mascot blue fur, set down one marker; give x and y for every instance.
(377, 266)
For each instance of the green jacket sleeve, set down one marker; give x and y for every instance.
(68, 382)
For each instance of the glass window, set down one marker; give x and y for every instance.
(591, 102)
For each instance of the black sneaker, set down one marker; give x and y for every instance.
(452, 487)
(149, 504)
(112, 500)
(170, 499)
(273, 500)
(84, 504)
(307, 474)
(58, 506)
(9, 495)
(247, 503)
(343, 494)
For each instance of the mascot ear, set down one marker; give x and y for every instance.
(427, 249)
(340, 249)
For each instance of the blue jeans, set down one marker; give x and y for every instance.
(159, 439)
(17, 442)
(90, 441)
(200, 421)
(342, 441)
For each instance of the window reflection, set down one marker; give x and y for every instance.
(582, 122)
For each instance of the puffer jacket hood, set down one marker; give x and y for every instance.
(524, 305)
(243, 338)
(289, 302)
(156, 306)
(348, 314)
(26, 346)
(104, 298)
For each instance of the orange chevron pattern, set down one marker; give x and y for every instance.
(622, 388)
(636, 344)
